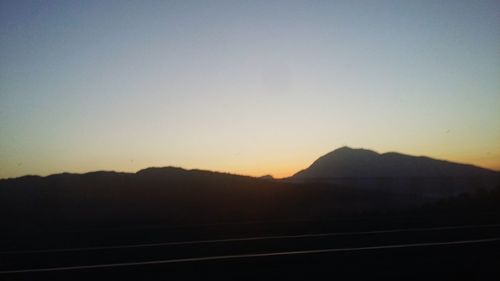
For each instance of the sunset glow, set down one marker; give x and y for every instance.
(246, 87)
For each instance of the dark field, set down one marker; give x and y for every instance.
(407, 248)
(197, 225)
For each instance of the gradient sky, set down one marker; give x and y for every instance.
(248, 87)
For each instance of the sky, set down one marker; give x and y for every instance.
(246, 87)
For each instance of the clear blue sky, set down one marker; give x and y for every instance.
(249, 87)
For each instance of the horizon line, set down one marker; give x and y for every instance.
(241, 174)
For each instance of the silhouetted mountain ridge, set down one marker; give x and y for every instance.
(397, 173)
(176, 196)
(347, 162)
(152, 173)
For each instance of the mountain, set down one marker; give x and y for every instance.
(267, 177)
(349, 162)
(171, 197)
(343, 181)
(397, 172)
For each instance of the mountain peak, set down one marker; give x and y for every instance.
(346, 151)
(347, 162)
(266, 177)
(159, 171)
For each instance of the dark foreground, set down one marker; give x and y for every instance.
(249, 233)
(448, 262)
(397, 248)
